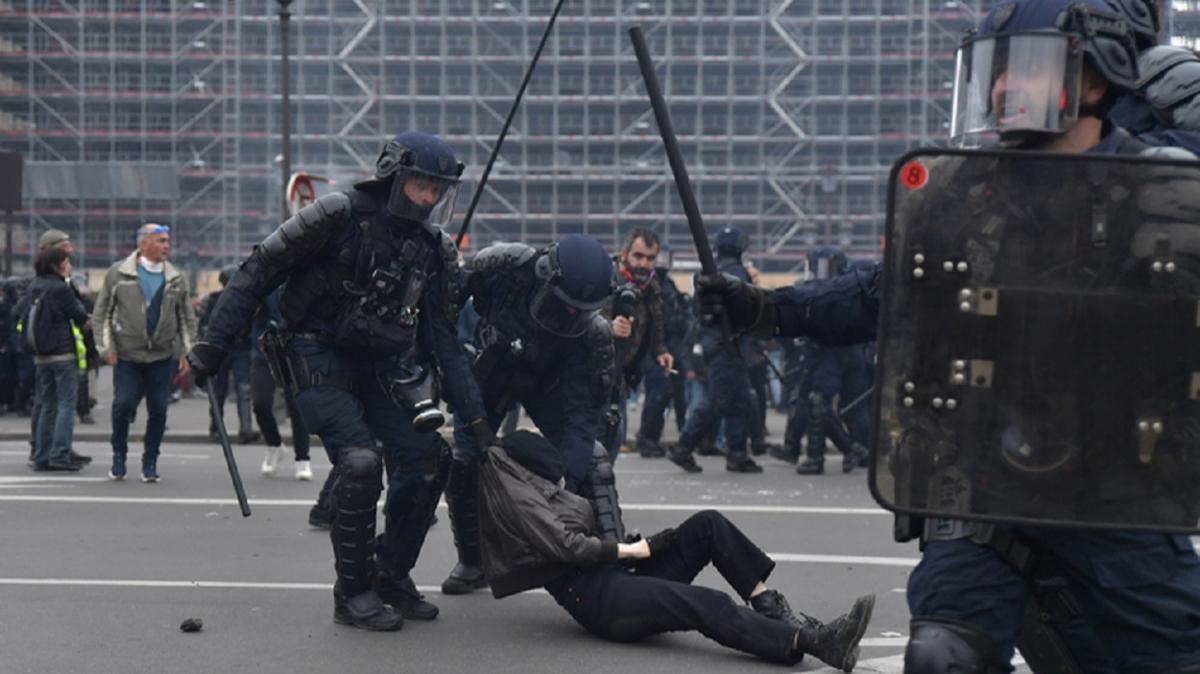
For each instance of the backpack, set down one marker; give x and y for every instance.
(35, 325)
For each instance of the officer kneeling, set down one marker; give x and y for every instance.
(371, 281)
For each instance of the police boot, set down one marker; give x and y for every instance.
(681, 455)
(320, 516)
(814, 451)
(354, 494)
(402, 594)
(742, 463)
(246, 432)
(834, 643)
(855, 458)
(783, 453)
(462, 499)
(650, 449)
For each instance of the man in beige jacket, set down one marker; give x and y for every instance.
(144, 324)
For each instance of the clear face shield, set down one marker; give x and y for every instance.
(1009, 87)
(422, 197)
(559, 314)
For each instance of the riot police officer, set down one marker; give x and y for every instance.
(237, 366)
(729, 397)
(541, 342)
(371, 280)
(1078, 600)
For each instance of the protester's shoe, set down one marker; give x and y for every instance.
(81, 459)
(270, 462)
(680, 456)
(403, 595)
(784, 454)
(365, 611)
(811, 466)
(320, 518)
(836, 643)
(56, 467)
(304, 471)
(856, 458)
(742, 464)
(464, 579)
(117, 472)
(247, 437)
(214, 436)
(149, 470)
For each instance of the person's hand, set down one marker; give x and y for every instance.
(745, 305)
(691, 375)
(666, 361)
(484, 435)
(622, 327)
(109, 358)
(184, 367)
(637, 550)
(658, 543)
(205, 360)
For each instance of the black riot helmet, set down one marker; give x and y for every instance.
(574, 282)
(825, 262)
(226, 273)
(731, 242)
(424, 174)
(1019, 78)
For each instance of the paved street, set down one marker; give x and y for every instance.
(97, 575)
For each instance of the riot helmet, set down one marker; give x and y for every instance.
(226, 273)
(825, 262)
(1142, 17)
(574, 282)
(731, 242)
(1020, 78)
(424, 176)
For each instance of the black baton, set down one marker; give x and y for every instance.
(665, 129)
(227, 448)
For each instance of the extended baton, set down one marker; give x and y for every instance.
(671, 144)
(227, 448)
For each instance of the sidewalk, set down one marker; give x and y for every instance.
(187, 420)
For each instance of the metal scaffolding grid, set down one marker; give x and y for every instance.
(790, 112)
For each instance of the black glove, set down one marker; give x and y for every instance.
(748, 307)
(206, 360)
(484, 435)
(659, 542)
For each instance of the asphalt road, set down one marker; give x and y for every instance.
(98, 575)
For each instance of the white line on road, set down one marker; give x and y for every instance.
(172, 455)
(861, 560)
(36, 479)
(635, 507)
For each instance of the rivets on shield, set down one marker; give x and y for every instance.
(965, 307)
(962, 267)
(909, 402)
(1170, 267)
(948, 266)
(1156, 266)
(951, 404)
(918, 273)
(937, 403)
(959, 378)
(919, 258)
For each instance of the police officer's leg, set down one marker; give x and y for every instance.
(239, 368)
(334, 413)
(418, 467)
(967, 605)
(462, 498)
(813, 462)
(731, 397)
(853, 453)
(679, 397)
(220, 384)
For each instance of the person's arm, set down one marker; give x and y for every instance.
(102, 318)
(439, 334)
(73, 308)
(186, 317)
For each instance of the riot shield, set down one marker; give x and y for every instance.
(1039, 346)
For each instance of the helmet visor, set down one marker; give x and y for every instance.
(1016, 83)
(422, 197)
(557, 313)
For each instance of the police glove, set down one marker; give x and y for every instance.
(484, 435)
(206, 360)
(661, 541)
(748, 307)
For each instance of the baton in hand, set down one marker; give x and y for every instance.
(227, 448)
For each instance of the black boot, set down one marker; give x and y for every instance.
(741, 463)
(402, 595)
(855, 458)
(462, 500)
(783, 453)
(365, 611)
(650, 449)
(682, 455)
(811, 466)
(835, 643)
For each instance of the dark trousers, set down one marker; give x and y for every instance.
(1138, 596)
(131, 383)
(615, 603)
(729, 401)
(262, 388)
(237, 366)
(662, 392)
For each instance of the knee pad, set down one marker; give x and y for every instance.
(360, 474)
(938, 646)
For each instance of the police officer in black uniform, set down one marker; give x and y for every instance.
(730, 398)
(541, 342)
(1077, 600)
(371, 281)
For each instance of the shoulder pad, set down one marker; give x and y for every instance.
(305, 232)
(362, 200)
(1158, 60)
(599, 329)
(1167, 152)
(502, 256)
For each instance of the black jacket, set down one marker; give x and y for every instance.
(533, 530)
(59, 307)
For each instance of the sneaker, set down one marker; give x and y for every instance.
(117, 472)
(81, 459)
(270, 462)
(304, 471)
(149, 471)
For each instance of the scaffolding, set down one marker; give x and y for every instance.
(790, 112)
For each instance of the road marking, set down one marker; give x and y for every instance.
(859, 560)
(42, 479)
(172, 455)
(634, 507)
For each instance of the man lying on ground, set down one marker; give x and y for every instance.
(537, 534)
